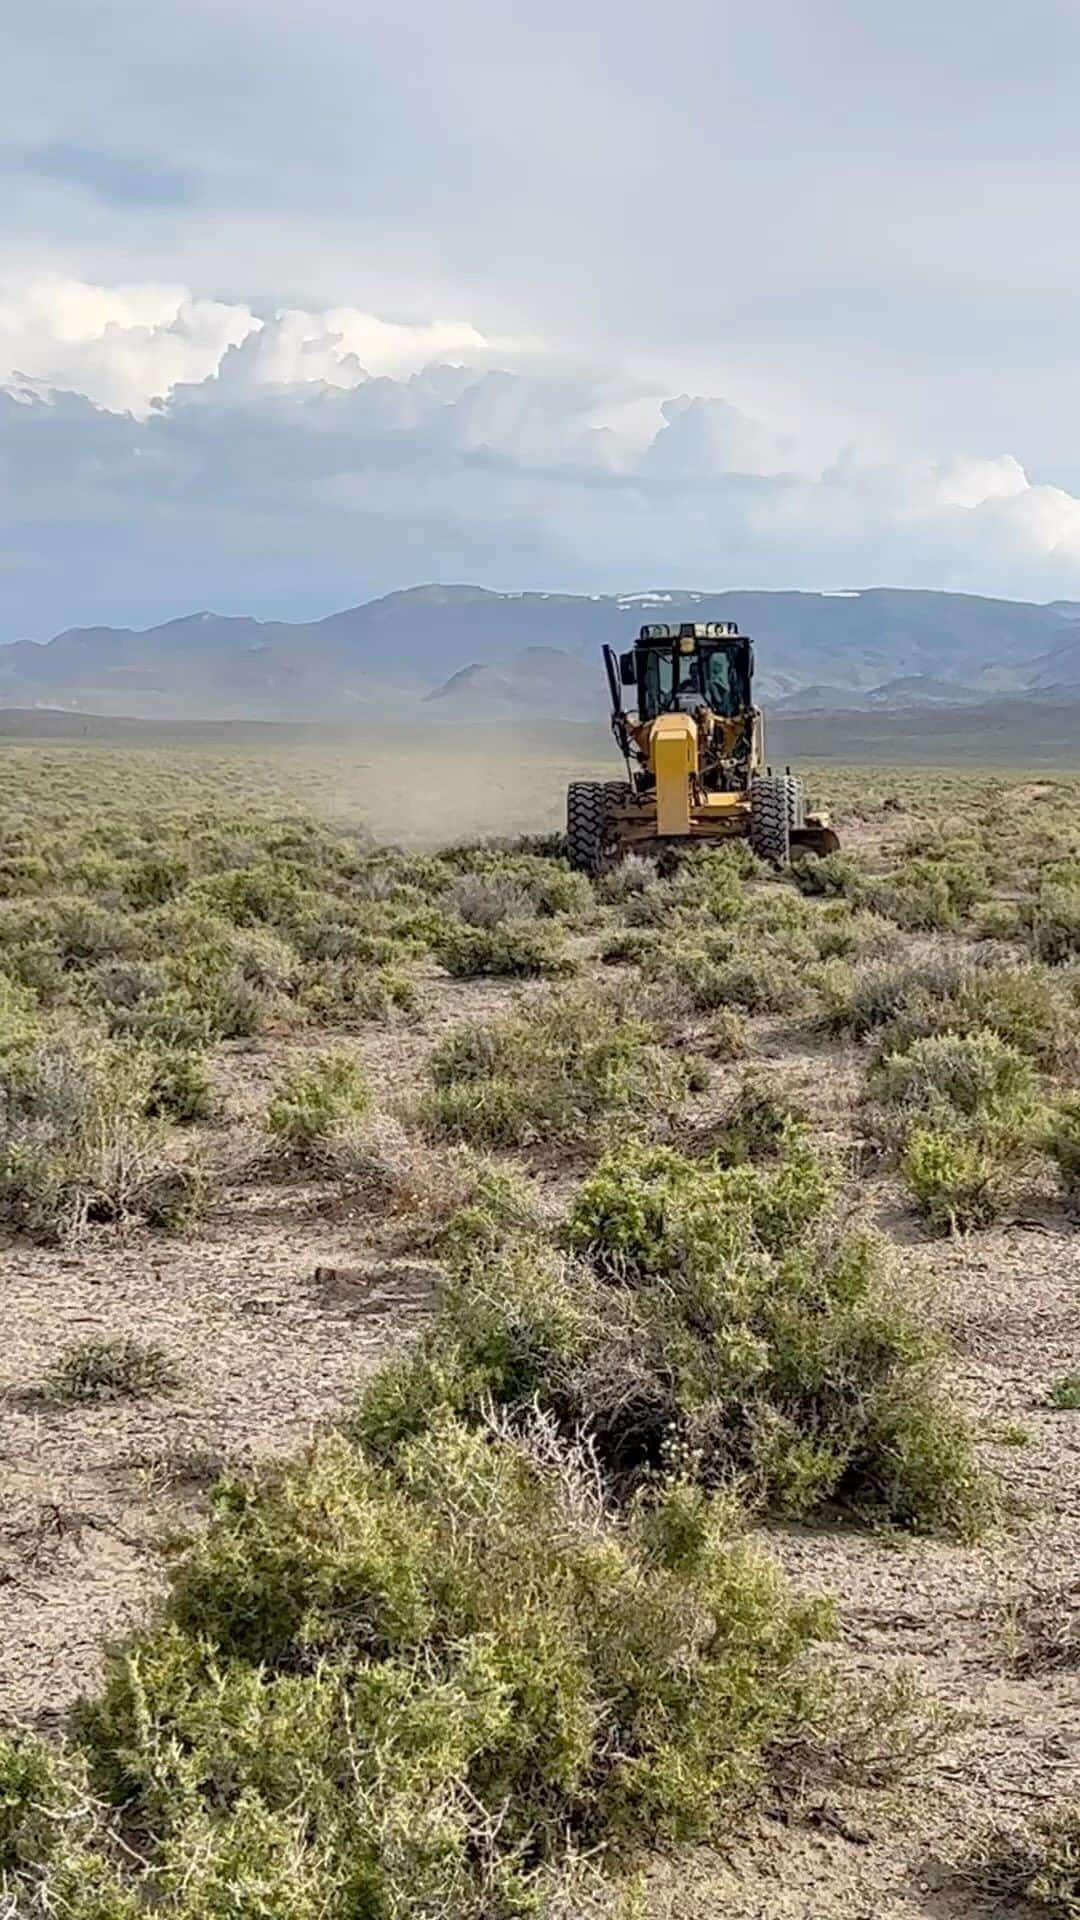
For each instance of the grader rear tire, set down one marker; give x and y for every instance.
(589, 804)
(776, 806)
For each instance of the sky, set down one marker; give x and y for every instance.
(302, 305)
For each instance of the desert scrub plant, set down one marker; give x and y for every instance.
(713, 1316)
(757, 1125)
(973, 1076)
(516, 949)
(514, 1675)
(496, 1206)
(111, 1369)
(780, 1343)
(841, 933)
(43, 1808)
(78, 1145)
(962, 1111)
(488, 900)
(927, 894)
(345, 993)
(725, 1036)
(957, 1178)
(1056, 921)
(549, 884)
(565, 1072)
(156, 878)
(1063, 1143)
(315, 1104)
(898, 1002)
(181, 1087)
(833, 875)
(684, 977)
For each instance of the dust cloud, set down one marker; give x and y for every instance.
(423, 786)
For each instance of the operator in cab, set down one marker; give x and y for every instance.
(688, 695)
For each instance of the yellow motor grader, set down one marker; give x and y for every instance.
(694, 746)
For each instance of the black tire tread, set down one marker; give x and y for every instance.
(775, 808)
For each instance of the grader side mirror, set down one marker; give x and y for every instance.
(628, 668)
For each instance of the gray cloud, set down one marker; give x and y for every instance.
(115, 178)
(849, 222)
(293, 498)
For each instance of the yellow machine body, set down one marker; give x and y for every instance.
(673, 763)
(695, 756)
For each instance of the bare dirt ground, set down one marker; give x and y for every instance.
(268, 1351)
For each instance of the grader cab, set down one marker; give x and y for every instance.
(694, 747)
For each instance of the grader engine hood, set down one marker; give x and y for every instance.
(673, 763)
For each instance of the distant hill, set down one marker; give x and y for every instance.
(506, 652)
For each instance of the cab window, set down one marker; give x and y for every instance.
(658, 681)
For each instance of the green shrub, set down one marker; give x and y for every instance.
(841, 934)
(421, 1687)
(111, 1369)
(1028, 1007)
(628, 946)
(1055, 1882)
(314, 1103)
(758, 1125)
(726, 1036)
(933, 895)
(512, 875)
(181, 1087)
(496, 1206)
(692, 979)
(999, 920)
(833, 874)
(37, 1804)
(778, 1346)
(1063, 1144)
(976, 1075)
(955, 1178)
(858, 1000)
(515, 948)
(156, 879)
(1065, 1394)
(1056, 923)
(569, 1069)
(710, 1314)
(269, 893)
(962, 1110)
(346, 993)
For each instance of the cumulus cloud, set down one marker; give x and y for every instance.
(165, 452)
(127, 346)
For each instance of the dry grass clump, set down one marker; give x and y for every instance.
(1040, 1867)
(1043, 1633)
(80, 1143)
(111, 1369)
(488, 900)
(424, 1686)
(563, 1072)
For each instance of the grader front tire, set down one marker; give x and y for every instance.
(589, 805)
(776, 807)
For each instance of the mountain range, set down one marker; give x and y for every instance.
(466, 650)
